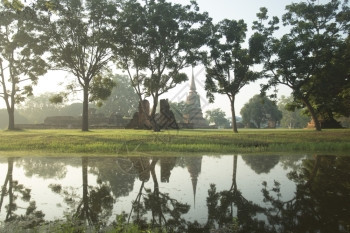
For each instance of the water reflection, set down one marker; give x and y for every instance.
(180, 194)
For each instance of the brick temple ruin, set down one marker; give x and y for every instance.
(194, 117)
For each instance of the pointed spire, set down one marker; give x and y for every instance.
(194, 187)
(193, 83)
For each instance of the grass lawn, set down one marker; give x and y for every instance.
(172, 142)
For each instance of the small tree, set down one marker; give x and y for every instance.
(21, 51)
(293, 117)
(228, 66)
(81, 40)
(218, 117)
(156, 40)
(260, 110)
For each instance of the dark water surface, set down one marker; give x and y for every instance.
(309, 193)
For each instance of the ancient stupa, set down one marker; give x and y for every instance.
(194, 114)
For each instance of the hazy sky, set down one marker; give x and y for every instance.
(218, 10)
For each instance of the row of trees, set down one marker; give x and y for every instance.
(154, 40)
(256, 113)
(260, 111)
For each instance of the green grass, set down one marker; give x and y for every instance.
(136, 142)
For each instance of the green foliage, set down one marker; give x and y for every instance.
(122, 100)
(228, 65)
(56, 99)
(218, 117)
(22, 47)
(156, 40)
(80, 42)
(311, 57)
(259, 110)
(101, 88)
(292, 117)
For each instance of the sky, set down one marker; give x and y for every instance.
(218, 10)
(230, 9)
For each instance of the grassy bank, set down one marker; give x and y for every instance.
(121, 142)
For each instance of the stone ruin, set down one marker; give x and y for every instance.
(140, 119)
(165, 119)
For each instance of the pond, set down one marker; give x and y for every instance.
(228, 193)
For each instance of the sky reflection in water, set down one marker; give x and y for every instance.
(283, 192)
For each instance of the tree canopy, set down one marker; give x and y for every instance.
(307, 58)
(122, 100)
(229, 65)
(21, 51)
(218, 117)
(260, 110)
(81, 36)
(156, 40)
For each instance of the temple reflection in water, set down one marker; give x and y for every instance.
(179, 194)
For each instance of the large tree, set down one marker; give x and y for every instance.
(21, 52)
(260, 110)
(123, 99)
(81, 35)
(229, 64)
(302, 58)
(157, 39)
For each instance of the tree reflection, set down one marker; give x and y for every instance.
(321, 202)
(261, 163)
(13, 189)
(230, 210)
(116, 172)
(44, 167)
(164, 211)
(95, 205)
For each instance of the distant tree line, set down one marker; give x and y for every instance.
(153, 41)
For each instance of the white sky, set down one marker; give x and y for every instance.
(218, 10)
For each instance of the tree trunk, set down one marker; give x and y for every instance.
(85, 215)
(11, 114)
(85, 117)
(313, 114)
(10, 190)
(233, 113)
(155, 126)
(234, 175)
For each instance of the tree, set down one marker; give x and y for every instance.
(302, 58)
(260, 110)
(228, 67)
(291, 117)
(218, 117)
(4, 118)
(179, 109)
(21, 61)
(37, 108)
(123, 99)
(81, 40)
(156, 40)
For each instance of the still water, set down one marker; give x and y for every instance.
(300, 193)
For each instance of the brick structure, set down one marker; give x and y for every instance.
(195, 115)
